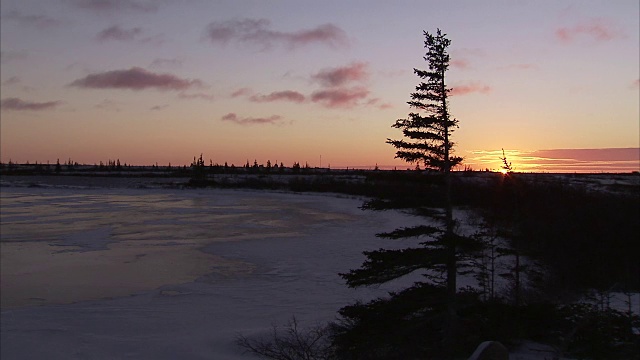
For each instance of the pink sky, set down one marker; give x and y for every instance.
(290, 81)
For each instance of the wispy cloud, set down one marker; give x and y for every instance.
(135, 79)
(232, 117)
(460, 63)
(635, 84)
(339, 76)
(340, 97)
(259, 32)
(115, 32)
(102, 6)
(16, 80)
(201, 96)
(338, 88)
(167, 63)
(12, 81)
(376, 102)
(17, 104)
(108, 105)
(594, 29)
(245, 91)
(519, 67)
(470, 88)
(10, 56)
(465, 53)
(38, 21)
(560, 160)
(606, 154)
(287, 95)
(159, 107)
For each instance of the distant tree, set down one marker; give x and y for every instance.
(198, 177)
(506, 165)
(58, 168)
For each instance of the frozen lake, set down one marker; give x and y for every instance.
(107, 273)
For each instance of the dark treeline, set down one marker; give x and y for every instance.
(555, 220)
(112, 167)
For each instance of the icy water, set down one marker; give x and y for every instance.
(105, 273)
(103, 243)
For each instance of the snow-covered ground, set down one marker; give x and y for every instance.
(106, 273)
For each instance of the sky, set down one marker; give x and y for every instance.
(553, 83)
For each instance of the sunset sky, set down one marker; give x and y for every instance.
(555, 83)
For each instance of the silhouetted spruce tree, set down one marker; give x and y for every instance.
(427, 140)
(198, 176)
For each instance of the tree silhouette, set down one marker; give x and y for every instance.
(428, 135)
(427, 141)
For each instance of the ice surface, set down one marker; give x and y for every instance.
(168, 274)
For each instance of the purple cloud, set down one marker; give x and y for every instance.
(116, 5)
(242, 92)
(117, 33)
(341, 75)
(12, 80)
(257, 31)
(287, 95)
(459, 63)
(202, 96)
(170, 63)
(340, 97)
(135, 79)
(232, 117)
(17, 104)
(39, 21)
(108, 105)
(376, 102)
(470, 89)
(596, 29)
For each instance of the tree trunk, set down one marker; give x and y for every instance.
(450, 242)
